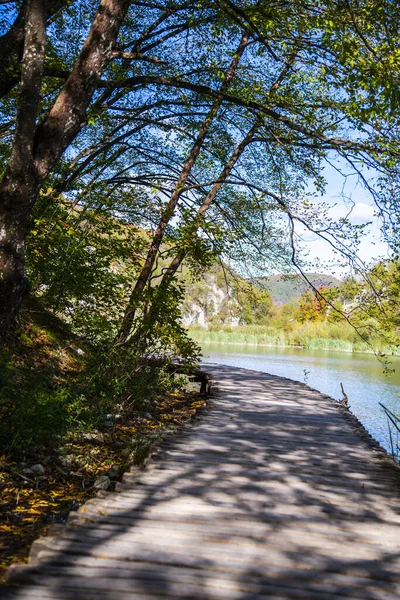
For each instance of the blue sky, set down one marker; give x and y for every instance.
(340, 195)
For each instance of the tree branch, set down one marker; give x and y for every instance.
(334, 143)
(68, 113)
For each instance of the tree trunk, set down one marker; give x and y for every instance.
(168, 213)
(12, 46)
(20, 184)
(35, 149)
(13, 226)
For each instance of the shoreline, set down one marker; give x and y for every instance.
(291, 346)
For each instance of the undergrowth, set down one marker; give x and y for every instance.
(79, 413)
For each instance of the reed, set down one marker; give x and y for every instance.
(314, 336)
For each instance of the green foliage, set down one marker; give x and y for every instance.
(52, 382)
(159, 330)
(357, 315)
(80, 262)
(255, 305)
(312, 306)
(40, 384)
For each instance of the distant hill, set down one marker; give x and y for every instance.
(285, 288)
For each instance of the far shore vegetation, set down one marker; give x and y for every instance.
(312, 336)
(342, 317)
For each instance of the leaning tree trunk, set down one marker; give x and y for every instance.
(169, 211)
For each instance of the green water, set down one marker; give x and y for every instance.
(361, 375)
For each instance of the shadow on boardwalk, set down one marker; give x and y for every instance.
(272, 494)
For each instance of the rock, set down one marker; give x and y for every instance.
(102, 483)
(67, 460)
(107, 424)
(149, 416)
(38, 469)
(113, 472)
(28, 472)
(126, 452)
(22, 465)
(93, 437)
(80, 351)
(113, 418)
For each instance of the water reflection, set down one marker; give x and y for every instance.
(362, 376)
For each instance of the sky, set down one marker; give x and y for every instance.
(339, 196)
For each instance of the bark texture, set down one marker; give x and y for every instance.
(12, 46)
(36, 149)
(19, 186)
(11, 49)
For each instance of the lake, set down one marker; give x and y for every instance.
(361, 375)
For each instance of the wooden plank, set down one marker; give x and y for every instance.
(68, 566)
(212, 587)
(275, 494)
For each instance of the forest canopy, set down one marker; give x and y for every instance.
(140, 136)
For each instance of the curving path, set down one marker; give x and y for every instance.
(274, 493)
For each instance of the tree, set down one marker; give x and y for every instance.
(375, 304)
(311, 308)
(37, 148)
(169, 210)
(149, 96)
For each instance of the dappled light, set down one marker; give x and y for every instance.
(174, 173)
(275, 492)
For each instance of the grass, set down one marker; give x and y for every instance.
(313, 336)
(50, 415)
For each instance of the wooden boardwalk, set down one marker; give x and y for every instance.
(273, 493)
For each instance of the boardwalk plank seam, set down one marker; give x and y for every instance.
(241, 505)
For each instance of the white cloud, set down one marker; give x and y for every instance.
(371, 246)
(360, 212)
